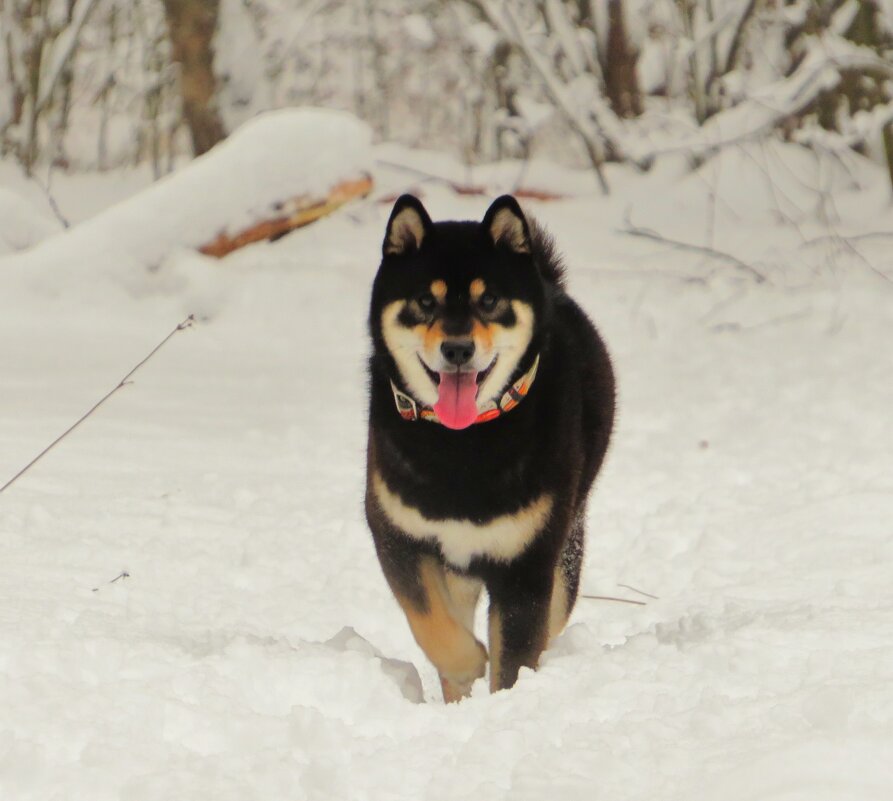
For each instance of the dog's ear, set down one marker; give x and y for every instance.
(407, 226)
(505, 223)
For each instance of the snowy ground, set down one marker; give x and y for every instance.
(749, 486)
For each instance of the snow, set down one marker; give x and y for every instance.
(419, 29)
(270, 161)
(254, 651)
(21, 223)
(62, 50)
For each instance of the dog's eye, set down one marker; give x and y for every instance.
(488, 301)
(426, 302)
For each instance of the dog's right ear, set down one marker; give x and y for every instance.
(407, 226)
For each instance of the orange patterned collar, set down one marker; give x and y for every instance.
(409, 409)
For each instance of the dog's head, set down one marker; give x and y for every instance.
(457, 306)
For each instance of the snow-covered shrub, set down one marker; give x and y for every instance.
(93, 83)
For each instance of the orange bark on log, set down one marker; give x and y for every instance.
(295, 213)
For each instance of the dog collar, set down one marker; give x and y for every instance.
(409, 409)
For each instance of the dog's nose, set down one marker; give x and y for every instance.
(457, 351)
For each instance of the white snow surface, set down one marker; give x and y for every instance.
(254, 651)
(269, 161)
(22, 224)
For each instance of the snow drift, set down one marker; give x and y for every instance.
(247, 179)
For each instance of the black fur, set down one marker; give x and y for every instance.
(553, 442)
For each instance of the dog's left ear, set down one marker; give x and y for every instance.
(407, 226)
(505, 223)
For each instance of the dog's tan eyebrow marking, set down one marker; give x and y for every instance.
(439, 289)
(477, 288)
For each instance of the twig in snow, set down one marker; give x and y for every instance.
(122, 575)
(641, 592)
(772, 321)
(849, 237)
(187, 323)
(611, 598)
(644, 233)
(47, 190)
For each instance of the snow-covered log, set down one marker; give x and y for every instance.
(296, 212)
(276, 172)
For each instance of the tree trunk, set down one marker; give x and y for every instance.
(191, 25)
(619, 67)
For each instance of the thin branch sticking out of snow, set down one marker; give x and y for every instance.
(612, 598)
(644, 233)
(187, 323)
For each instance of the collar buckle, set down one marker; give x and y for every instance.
(406, 406)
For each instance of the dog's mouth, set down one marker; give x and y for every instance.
(435, 377)
(479, 379)
(483, 374)
(457, 391)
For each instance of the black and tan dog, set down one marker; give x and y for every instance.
(492, 400)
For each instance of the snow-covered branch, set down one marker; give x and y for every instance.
(62, 50)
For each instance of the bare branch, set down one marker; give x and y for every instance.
(611, 598)
(641, 592)
(47, 191)
(735, 43)
(644, 233)
(591, 134)
(63, 50)
(187, 323)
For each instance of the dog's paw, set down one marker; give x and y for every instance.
(457, 685)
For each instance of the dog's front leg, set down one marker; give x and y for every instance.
(520, 598)
(437, 626)
(440, 617)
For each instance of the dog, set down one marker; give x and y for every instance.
(491, 407)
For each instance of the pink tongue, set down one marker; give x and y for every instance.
(456, 405)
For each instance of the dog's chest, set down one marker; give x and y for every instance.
(501, 538)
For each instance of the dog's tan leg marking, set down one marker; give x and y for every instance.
(494, 640)
(464, 593)
(558, 611)
(451, 647)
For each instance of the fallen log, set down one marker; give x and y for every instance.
(280, 170)
(296, 213)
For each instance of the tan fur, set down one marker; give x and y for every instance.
(506, 343)
(404, 344)
(464, 592)
(502, 538)
(477, 288)
(439, 290)
(506, 227)
(482, 335)
(558, 612)
(509, 345)
(451, 647)
(432, 336)
(406, 232)
(494, 638)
